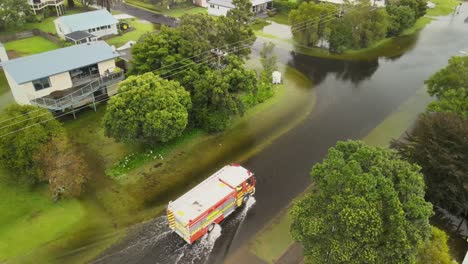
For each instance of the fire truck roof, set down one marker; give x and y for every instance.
(209, 192)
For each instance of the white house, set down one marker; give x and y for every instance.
(221, 7)
(99, 23)
(64, 78)
(37, 5)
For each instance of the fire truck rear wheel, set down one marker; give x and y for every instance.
(211, 227)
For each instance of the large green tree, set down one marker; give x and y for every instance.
(452, 101)
(147, 108)
(217, 96)
(26, 131)
(418, 6)
(367, 206)
(311, 22)
(439, 144)
(401, 18)
(453, 76)
(235, 28)
(160, 51)
(13, 13)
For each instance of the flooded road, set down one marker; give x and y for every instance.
(352, 98)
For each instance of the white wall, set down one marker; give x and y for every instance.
(61, 29)
(25, 92)
(106, 65)
(216, 10)
(3, 54)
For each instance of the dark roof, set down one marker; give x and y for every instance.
(26, 69)
(78, 35)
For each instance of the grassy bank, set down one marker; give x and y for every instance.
(30, 46)
(443, 7)
(400, 120)
(30, 219)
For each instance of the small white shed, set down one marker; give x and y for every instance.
(276, 76)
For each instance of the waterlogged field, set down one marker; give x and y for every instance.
(111, 206)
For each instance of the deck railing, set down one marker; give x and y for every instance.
(43, 4)
(79, 95)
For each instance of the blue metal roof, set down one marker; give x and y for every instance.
(87, 20)
(26, 69)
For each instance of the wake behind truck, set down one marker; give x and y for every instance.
(198, 211)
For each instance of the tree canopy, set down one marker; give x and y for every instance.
(439, 144)
(367, 206)
(453, 76)
(307, 31)
(401, 18)
(435, 249)
(18, 146)
(147, 108)
(452, 101)
(13, 13)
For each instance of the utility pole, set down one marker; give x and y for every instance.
(219, 54)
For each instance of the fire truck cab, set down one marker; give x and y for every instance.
(196, 212)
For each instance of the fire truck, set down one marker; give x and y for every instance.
(198, 211)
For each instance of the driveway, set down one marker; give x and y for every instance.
(147, 15)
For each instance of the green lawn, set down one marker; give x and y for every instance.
(31, 45)
(141, 28)
(29, 218)
(176, 11)
(443, 7)
(46, 25)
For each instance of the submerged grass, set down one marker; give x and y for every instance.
(137, 159)
(399, 121)
(271, 243)
(443, 7)
(30, 218)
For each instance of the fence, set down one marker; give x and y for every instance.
(31, 33)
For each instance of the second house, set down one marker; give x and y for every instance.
(85, 27)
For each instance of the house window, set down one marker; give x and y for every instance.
(41, 84)
(108, 26)
(103, 27)
(212, 6)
